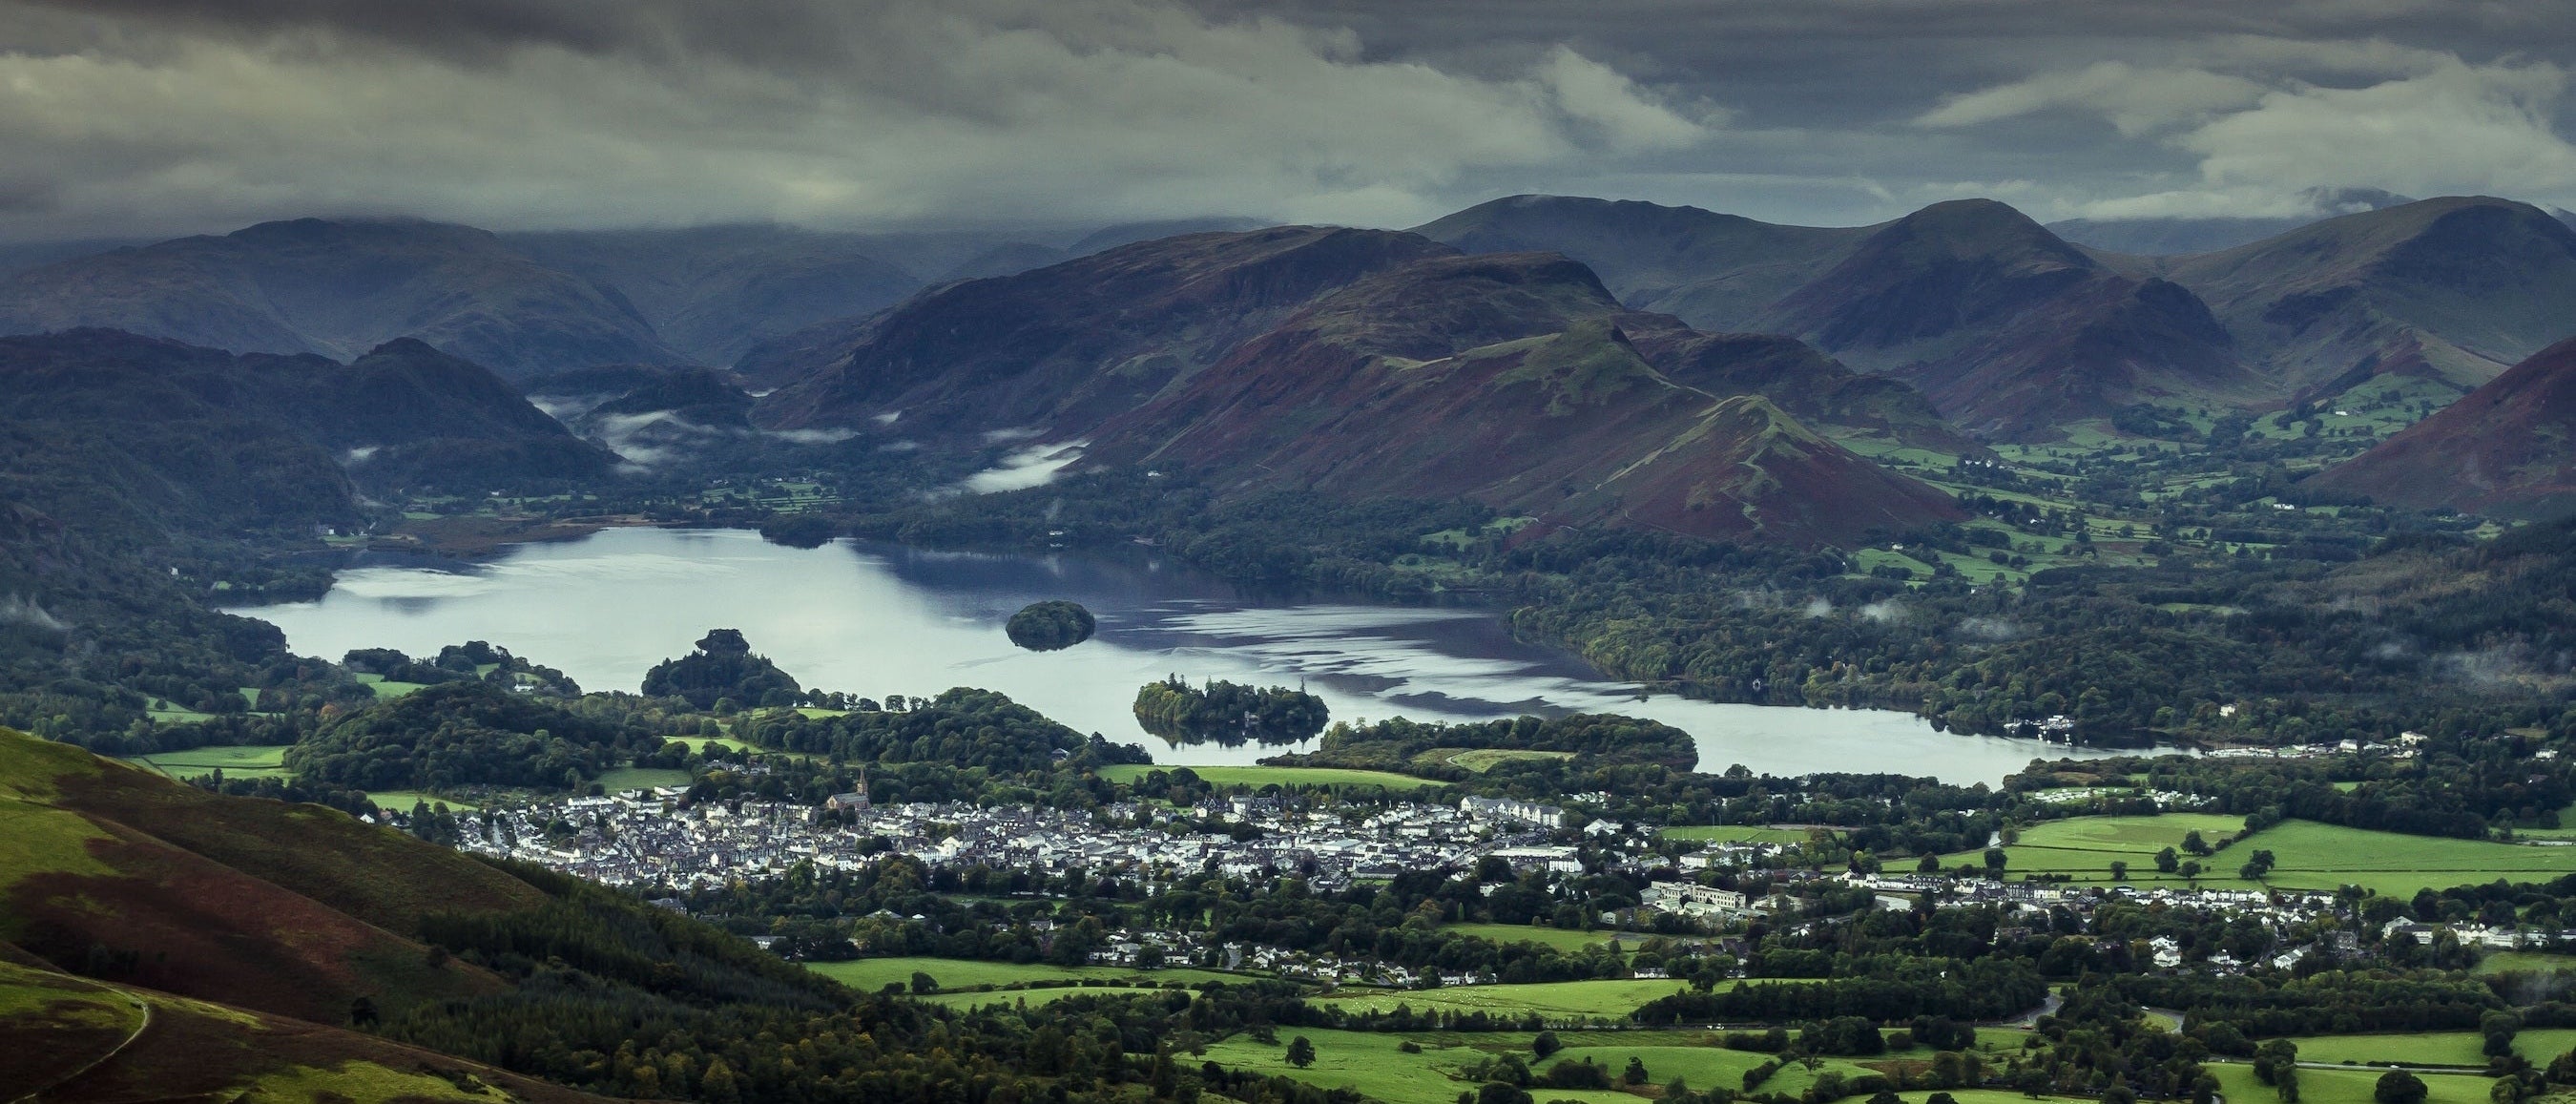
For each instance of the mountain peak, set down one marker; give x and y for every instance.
(1969, 229)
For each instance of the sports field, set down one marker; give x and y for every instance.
(1735, 833)
(2307, 855)
(1265, 776)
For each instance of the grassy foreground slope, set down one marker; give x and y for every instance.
(69, 1040)
(294, 910)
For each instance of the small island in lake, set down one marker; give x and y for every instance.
(1050, 626)
(1228, 713)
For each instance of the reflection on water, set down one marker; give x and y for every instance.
(884, 619)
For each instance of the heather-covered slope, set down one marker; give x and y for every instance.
(75, 1040)
(340, 288)
(2507, 449)
(1364, 363)
(1067, 344)
(292, 910)
(1505, 379)
(2451, 290)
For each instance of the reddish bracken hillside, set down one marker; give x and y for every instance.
(2507, 449)
(1428, 381)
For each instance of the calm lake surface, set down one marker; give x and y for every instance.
(875, 620)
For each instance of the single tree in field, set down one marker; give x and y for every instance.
(1545, 1044)
(2399, 1087)
(924, 983)
(2119, 870)
(1994, 860)
(1301, 1053)
(2167, 861)
(1635, 1074)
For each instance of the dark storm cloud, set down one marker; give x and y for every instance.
(126, 115)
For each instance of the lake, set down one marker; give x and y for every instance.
(876, 619)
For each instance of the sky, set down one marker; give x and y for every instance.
(140, 118)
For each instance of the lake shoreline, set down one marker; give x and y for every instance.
(872, 618)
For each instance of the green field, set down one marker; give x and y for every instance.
(1374, 1064)
(2432, 1048)
(385, 689)
(1481, 760)
(401, 801)
(2498, 962)
(2307, 855)
(1264, 776)
(2353, 1086)
(639, 778)
(246, 761)
(1555, 1000)
(1735, 833)
(1563, 939)
(957, 973)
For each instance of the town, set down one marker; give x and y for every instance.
(1706, 894)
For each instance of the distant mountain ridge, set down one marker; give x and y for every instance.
(145, 432)
(2453, 290)
(338, 289)
(524, 304)
(1361, 363)
(2015, 332)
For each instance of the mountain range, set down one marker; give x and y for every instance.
(1370, 362)
(1307, 356)
(524, 304)
(2014, 332)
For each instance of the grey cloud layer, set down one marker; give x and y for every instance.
(126, 116)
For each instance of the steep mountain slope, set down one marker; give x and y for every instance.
(1067, 344)
(1796, 378)
(292, 910)
(1713, 271)
(2009, 330)
(2507, 449)
(1504, 378)
(2448, 290)
(339, 289)
(1318, 358)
